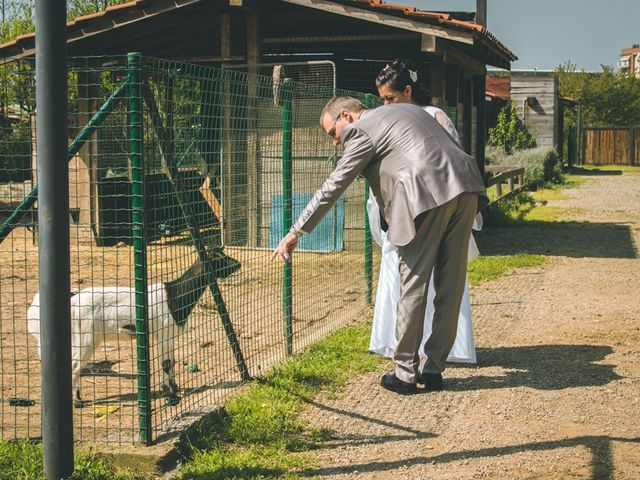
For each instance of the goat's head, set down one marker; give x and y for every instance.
(223, 265)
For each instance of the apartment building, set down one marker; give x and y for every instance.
(630, 60)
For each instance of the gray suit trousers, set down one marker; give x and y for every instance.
(440, 245)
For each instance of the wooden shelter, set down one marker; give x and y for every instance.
(359, 37)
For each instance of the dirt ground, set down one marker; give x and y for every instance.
(556, 391)
(206, 370)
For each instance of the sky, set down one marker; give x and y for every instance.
(547, 33)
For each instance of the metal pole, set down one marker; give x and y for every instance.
(139, 246)
(287, 211)
(53, 224)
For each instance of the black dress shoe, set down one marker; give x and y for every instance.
(393, 383)
(432, 381)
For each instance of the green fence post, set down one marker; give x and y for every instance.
(579, 137)
(139, 245)
(571, 146)
(370, 102)
(287, 210)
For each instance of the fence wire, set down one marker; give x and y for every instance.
(177, 194)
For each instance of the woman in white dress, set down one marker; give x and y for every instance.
(398, 83)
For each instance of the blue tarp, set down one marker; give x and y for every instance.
(326, 237)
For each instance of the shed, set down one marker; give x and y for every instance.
(358, 37)
(537, 100)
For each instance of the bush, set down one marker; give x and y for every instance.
(541, 164)
(510, 133)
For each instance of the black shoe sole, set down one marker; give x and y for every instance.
(432, 384)
(408, 389)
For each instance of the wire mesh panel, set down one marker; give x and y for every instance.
(17, 356)
(178, 193)
(230, 124)
(100, 255)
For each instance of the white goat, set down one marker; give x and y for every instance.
(99, 313)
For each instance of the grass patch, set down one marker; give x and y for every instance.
(22, 460)
(555, 191)
(533, 206)
(485, 268)
(260, 434)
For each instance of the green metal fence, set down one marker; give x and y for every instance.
(182, 179)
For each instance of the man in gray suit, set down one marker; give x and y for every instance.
(428, 191)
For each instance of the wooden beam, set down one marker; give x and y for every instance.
(211, 59)
(340, 38)
(384, 19)
(454, 55)
(225, 35)
(429, 43)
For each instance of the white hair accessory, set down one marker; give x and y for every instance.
(413, 75)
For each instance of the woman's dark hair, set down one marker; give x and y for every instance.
(400, 73)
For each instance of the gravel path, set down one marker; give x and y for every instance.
(556, 392)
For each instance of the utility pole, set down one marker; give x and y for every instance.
(481, 12)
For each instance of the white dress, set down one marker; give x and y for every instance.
(383, 331)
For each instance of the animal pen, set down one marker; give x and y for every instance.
(168, 163)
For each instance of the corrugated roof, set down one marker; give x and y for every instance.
(499, 86)
(137, 9)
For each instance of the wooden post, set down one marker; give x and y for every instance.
(451, 91)
(560, 132)
(632, 146)
(232, 209)
(253, 141)
(579, 135)
(437, 84)
(84, 169)
(467, 100)
(479, 93)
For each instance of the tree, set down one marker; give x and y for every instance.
(607, 98)
(17, 15)
(510, 133)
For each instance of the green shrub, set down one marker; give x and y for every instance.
(510, 133)
(541, 164)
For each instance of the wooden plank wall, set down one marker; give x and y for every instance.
(540, 112)
(610, 146)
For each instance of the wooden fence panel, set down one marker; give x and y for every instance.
(610, 146)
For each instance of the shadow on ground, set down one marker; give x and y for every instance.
(593, 172)
(543, 367)
(600, 448)
(564, 238)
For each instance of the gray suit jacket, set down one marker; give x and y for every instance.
(411, 163)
